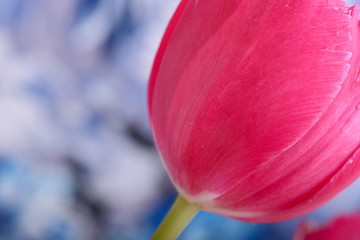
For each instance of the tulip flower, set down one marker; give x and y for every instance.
(343, 227)
(255, 106)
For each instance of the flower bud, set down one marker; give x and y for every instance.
(255, 104)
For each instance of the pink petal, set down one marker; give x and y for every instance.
(246, 99)
(344, 227)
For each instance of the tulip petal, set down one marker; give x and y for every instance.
(312, 171)
(344, 227)
(245, 120)
(226, 108)
(183, 43)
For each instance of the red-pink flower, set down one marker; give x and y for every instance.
(255, 104)
(342, 228)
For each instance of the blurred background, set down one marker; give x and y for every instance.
(77, 159)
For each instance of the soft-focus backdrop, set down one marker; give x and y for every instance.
(77, 160)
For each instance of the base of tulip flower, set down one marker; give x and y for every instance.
(178, 217)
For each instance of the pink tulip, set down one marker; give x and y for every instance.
(255, 105)
(342, 228)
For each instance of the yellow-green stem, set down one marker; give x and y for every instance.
(178, 217)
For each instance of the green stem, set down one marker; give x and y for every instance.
(178, 217)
